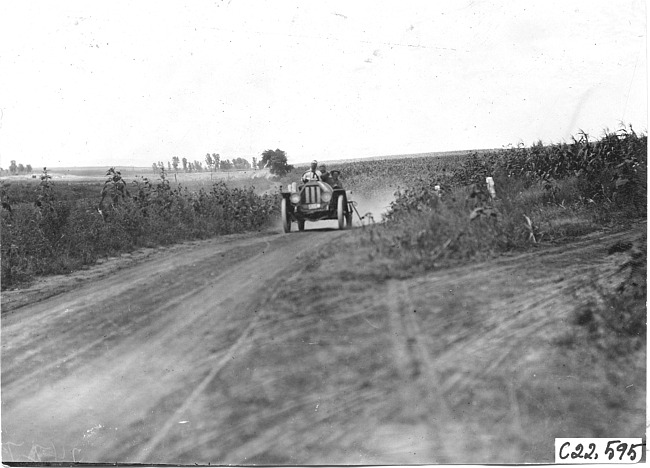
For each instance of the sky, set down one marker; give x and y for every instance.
(134, 82)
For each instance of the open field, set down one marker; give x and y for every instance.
(464, 328)
(98, 174)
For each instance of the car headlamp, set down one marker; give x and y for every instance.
(295, 198)
(326, 196)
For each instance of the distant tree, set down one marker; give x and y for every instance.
(155, 168)
(276, 161)
(21, 168)
(13, 168)
(198, 166)
(216, 159)
(209, 162)
(241, 163)
(225, 165)
(169, 166)
(185, 164)
(175, 162)
(254, 162)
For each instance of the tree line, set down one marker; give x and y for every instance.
(16, 169)
(211, 163)
(274, 160)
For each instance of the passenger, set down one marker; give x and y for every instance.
(334, 179)
(311, 174)
(324, 175)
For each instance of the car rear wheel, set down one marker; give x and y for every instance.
(348, 219)
(284, 212)
(340, 211)
(301, 224)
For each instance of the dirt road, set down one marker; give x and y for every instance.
(241, 350)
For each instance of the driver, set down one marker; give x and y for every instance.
(313, 173)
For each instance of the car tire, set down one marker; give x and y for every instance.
(301, 224)
(340, 211)
(284, 213)
(348, 219)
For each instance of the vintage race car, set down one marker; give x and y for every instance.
(315, 201)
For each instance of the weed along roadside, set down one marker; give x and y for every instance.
(56, 235)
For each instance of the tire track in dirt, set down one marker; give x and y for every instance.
(462, 363)
(153, 443)
(418, 370)
(122, 287)
(240, 346)
(530, 311)
(293, 347)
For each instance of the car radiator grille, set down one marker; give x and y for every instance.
(311, 195)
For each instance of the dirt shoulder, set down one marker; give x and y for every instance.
(48, 286)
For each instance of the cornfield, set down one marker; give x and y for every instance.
(53, 235)
(443, 211)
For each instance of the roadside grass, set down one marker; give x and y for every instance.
(424, 231)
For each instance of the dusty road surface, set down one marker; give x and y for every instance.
(244, 350)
